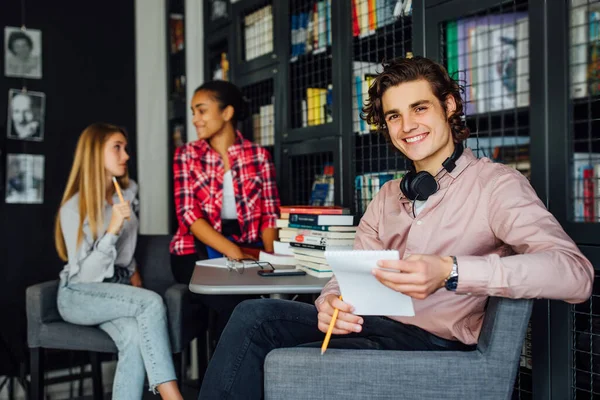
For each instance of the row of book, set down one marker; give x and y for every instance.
(316, 108)
(366, 186)
(586, 187)
(370, 15)
(258, 33)
(489, 55)
(364, 73)
(307, 232)
(585, 48)
(322, 190)
(311, 30)
(263, 125)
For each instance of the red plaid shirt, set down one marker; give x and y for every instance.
(198, 183)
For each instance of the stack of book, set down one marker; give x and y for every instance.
(310, 231)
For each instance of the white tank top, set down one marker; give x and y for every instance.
(228, 211)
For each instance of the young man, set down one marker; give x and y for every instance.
(465, 228)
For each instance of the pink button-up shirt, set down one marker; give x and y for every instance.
(483, 214)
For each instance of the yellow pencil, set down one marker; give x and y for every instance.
(118, 189)
(329, 330)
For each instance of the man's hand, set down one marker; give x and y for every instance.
(417, 276)
(345, 323)
(136, 279)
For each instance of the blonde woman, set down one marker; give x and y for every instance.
(100, 285)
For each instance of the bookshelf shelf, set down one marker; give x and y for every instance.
(309, 132)
(312, 57)
(395, 38)
(255, 26)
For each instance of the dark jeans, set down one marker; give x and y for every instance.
(259, 326)
(222, 306)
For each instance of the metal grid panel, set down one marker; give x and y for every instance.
(586, 346)
(258, 31)
(379, 33)
(487, 52)
(584, 136)
(260, 125)
(312, 180)
(310, 64)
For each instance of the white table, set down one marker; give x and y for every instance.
(215, 280)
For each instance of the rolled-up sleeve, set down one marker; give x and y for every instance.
(548, 263)
(88, 262)
(270, 194)
(187, 208)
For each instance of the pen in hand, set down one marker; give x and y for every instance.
(329, 330)
(118, 189)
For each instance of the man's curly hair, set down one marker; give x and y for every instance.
(402, 70)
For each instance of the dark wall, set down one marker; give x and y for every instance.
(88, 68)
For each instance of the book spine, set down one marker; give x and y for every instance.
(304, 226)
(588, 194)
(314, 211)
(304, 219)
(307, 246)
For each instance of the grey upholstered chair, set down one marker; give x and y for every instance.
(486, 373)
(46, 329)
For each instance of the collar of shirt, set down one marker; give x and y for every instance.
(203, 147)
(447, 178)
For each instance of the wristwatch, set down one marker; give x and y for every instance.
(452, 280)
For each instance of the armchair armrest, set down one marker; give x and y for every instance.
(41, 308)
(303, 373)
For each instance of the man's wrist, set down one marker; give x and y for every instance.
(447, 270)
(451, 282)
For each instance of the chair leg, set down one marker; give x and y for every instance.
(98, 389)
(202, 353)
(36, 355)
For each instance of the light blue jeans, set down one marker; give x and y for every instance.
(135, 319)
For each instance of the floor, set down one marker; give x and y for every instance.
(189, 393)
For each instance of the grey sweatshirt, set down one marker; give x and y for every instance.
(92, 261)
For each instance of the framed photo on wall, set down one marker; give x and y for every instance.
(22, 53)
(26, 111)
(24, 179)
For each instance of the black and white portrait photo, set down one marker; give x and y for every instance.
(22, 53)
(26, 112)
(24, 179)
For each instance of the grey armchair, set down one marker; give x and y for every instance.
(485, 373)
(46, 329)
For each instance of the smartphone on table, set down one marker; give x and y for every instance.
(280, 272)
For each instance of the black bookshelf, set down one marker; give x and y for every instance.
(554, 124)
(256, 26)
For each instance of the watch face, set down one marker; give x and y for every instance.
(452, 283)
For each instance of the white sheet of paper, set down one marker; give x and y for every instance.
(359, 287)
(213, 262)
